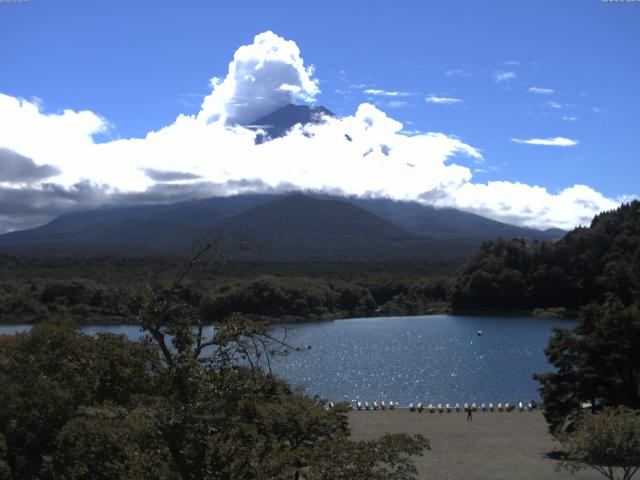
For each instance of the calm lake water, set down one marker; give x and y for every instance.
(433, 359)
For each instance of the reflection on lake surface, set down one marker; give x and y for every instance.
(435, 359)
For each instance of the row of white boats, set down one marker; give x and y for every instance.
(446, 408)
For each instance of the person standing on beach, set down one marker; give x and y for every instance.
(469, 415)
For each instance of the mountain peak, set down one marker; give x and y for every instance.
(280, 121)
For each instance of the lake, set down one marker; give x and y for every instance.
(433, 359)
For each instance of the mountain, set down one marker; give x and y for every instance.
(447, 222)
(279, 122)
(276, 227)
(302, 228)
(150, 229)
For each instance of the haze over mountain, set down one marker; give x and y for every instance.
(287, 227)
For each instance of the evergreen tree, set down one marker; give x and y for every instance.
(597, 363)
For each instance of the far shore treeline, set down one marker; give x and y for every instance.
(505, 275)
(110, 289)
(585, 266)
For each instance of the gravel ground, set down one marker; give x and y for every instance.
(494, 446)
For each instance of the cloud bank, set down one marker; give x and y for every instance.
(56, 166)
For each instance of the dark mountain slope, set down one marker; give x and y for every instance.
(298, 227)
(166, 228)
(447, 222)
(131, 230)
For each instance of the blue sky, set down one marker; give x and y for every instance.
(519, 70)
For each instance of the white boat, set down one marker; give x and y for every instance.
(412, 408)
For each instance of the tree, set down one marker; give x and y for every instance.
(189, 402)
(5, 472)
(387, 458)
(103, 443)
(608, 441)
(50, 374)
(598, 363)
(225, 416)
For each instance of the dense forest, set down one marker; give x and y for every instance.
(587, 265)
(111, 289)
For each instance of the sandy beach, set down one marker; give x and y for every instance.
(494, 446)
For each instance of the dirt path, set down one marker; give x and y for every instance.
(494, 446)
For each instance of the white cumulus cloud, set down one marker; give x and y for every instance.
(541, 91)
(262, 77)
(550, 142)
(442, 100)
(386, 93)
(504, 76)
(211, 153)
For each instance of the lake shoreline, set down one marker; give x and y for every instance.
(293, 319)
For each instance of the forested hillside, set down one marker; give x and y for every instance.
(110, 289)
(587, 265)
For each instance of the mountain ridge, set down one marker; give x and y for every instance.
(408, 228)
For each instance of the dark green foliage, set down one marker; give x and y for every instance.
(586, 265)
(107, 442)
(5, 471)
(352, 460)
(598, 363)
(608, 442)
(110, 289)
(185, 403)
(50, 373)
